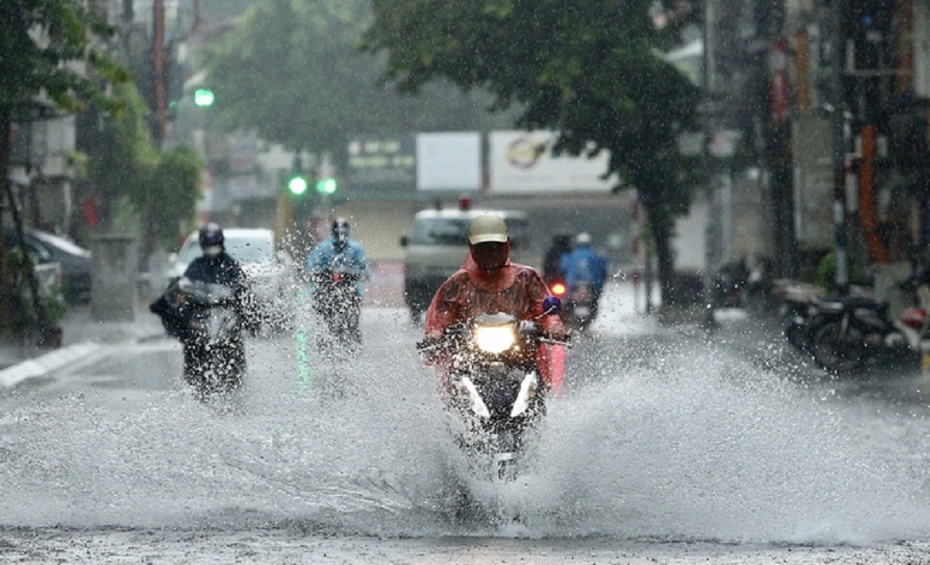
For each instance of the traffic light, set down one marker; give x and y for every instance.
(203, 97)
(326, 186)
(297, 184)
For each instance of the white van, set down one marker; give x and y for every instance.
(437, 247)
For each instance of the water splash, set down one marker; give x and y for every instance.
(688, 443)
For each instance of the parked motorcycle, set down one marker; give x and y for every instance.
(496, 393)
(847, 333)
(214, 353)
(796, 311)
(729, 285)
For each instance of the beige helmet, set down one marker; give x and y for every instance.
(488, 227)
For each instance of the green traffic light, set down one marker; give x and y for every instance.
(326, 186)
(297, 185)
(203, 97)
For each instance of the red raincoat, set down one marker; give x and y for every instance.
(513, 289)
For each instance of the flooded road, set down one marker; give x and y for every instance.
(667, 446)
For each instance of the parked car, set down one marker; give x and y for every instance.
(75, 261)
(271, 272)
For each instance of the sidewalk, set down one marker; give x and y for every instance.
(82, 335)
(82, 332)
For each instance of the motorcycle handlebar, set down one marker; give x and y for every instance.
(335, 276)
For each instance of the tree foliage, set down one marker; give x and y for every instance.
(126, 157)
(49, 53)
(174, 192)
(591, 69)
(161, 188)
(40, 35)
(291, 70)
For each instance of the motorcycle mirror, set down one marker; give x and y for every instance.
(552, 305)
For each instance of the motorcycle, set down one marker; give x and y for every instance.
(847, 333)
(729, 286)
(495, 389)
(796, 310)
(214, 353)
(581, 305)
(337, 303)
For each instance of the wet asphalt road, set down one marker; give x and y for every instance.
(669, 445)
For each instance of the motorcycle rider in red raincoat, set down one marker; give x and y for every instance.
(489, 283)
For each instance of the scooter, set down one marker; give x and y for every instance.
(496, 393)
(847, 333)
(581, 306)
(214, 353)
(796, 310)
(337, 303)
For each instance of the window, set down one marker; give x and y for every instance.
(441, 231)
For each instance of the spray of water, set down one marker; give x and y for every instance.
(692, 443)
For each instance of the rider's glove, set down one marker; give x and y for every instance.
(430, 342)
(432, 338)
(556, 333)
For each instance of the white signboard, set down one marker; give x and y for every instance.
(523, 162)
(449, 161)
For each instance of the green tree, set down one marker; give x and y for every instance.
(124, 158)
(591, 69)
(291, 70)
(161, 189)
(173, 194)
(38, 37)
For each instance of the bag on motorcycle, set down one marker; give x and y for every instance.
(174, 318)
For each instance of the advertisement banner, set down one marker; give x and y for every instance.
(449, 161)
(522, 161)
(382, 161)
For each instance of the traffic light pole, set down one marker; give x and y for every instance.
(839, 148)
(326, 185)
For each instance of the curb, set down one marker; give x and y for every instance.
(67, 355)
(44, 364)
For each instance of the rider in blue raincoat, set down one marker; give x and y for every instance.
(584, 264)
(337, 262)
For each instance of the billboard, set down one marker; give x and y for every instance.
(449, 161)
(382, 161)
(522, 162)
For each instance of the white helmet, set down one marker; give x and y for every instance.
(583, 238)
(488, 227)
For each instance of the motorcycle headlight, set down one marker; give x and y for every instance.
(495, 339)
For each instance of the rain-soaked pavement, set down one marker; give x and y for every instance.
(668, 446)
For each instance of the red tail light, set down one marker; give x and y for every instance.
(914, 318)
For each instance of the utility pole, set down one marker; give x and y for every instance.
(838, 40)
(158, 50)
(711, 238)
